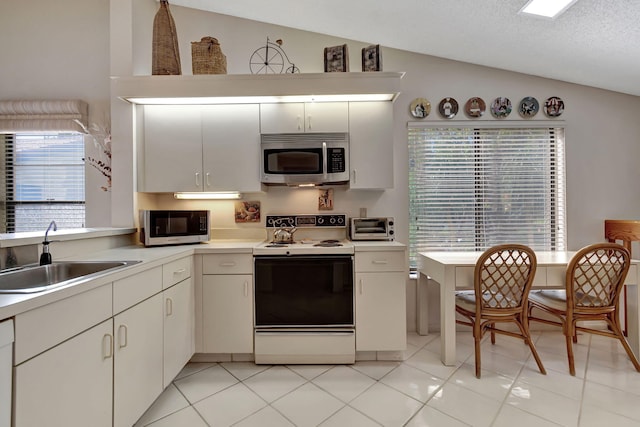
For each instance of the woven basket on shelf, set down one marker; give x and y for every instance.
(207, 57)
(165, 55)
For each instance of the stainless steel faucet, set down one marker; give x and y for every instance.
(45, 258)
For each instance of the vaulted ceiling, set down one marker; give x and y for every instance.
(594, 43)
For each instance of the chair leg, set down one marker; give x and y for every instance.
(477, 353)
(493, 334)
(613, 326)
(526, 334)
(570, 335)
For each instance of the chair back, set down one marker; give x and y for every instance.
(503, 276)
(595, 276)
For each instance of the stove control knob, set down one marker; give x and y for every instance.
(320, 220)
(332, 220)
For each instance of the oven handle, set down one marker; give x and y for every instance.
(285, 332)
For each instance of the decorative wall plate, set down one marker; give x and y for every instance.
(501, 107)
(420, 108)
(553, 107)
(448, 108)
(528, 107)
(475, 107)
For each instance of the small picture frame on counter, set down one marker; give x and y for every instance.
(371, 58)
(336, 59)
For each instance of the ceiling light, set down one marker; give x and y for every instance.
(219, 195)
(546, 8)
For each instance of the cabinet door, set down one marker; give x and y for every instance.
(326, 117)
(172, 155)
(231, 147)
(371, 145)
(286, 117)
(309, 117)
(381, 311)
(178, 328)
(227, 311)
(138, 365)
(68, 385)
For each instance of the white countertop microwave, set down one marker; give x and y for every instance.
(304, 158)
(174, 227)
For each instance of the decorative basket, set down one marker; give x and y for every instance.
(207, 57)
(165, 54)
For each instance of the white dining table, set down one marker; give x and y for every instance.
(454, 270)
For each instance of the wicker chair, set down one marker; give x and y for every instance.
(594, 280)
(503, 276)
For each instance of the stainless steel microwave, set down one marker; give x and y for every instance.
(304, 158)
(174, 227)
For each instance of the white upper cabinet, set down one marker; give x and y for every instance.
(231, 147)
(200, 148)
(304, 117)
(172, 157)
(371, 145)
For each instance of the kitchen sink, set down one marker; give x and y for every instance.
(45, 277)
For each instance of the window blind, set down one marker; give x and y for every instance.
(473, 187)
(44, 181)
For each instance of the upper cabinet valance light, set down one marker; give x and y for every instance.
(245, 88)
(43, 115)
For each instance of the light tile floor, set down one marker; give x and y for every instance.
(417, 392)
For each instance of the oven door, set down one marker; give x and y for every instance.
(304, 291)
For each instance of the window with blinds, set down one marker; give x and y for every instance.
(44, 181)
(474, 187)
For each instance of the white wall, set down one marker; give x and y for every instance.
(60, 50)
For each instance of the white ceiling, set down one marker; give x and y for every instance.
(595, 42)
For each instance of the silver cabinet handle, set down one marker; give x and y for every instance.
(208, 180)
(228, 264)
(107, 346)
(309, 121)
(382, 261)
(353, 175)
(122, 336)
(169, 307)
(182, 270)
(299, 123)
(361, 286)
(246, 289)
(197, 179)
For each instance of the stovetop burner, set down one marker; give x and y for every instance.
(276, 245)
(328, 243)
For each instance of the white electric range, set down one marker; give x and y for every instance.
(304, 306)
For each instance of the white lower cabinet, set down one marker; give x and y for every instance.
(138, 360)
(68, 385)
(380, 301)
(228, 317)
(178, 328)
(227, 303)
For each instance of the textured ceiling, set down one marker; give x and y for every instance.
(595, 42)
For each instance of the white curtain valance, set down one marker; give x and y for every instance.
(38, 116)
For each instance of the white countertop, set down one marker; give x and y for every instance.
(12, 304)
(8, 240)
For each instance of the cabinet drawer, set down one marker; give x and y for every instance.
(227, 264)
(175, 271)
(380, 261)
(44, 327)
(131, 290)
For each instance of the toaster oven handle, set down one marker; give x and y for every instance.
(324, 160)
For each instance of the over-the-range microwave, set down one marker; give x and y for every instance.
(304, 158)
(174, 227)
